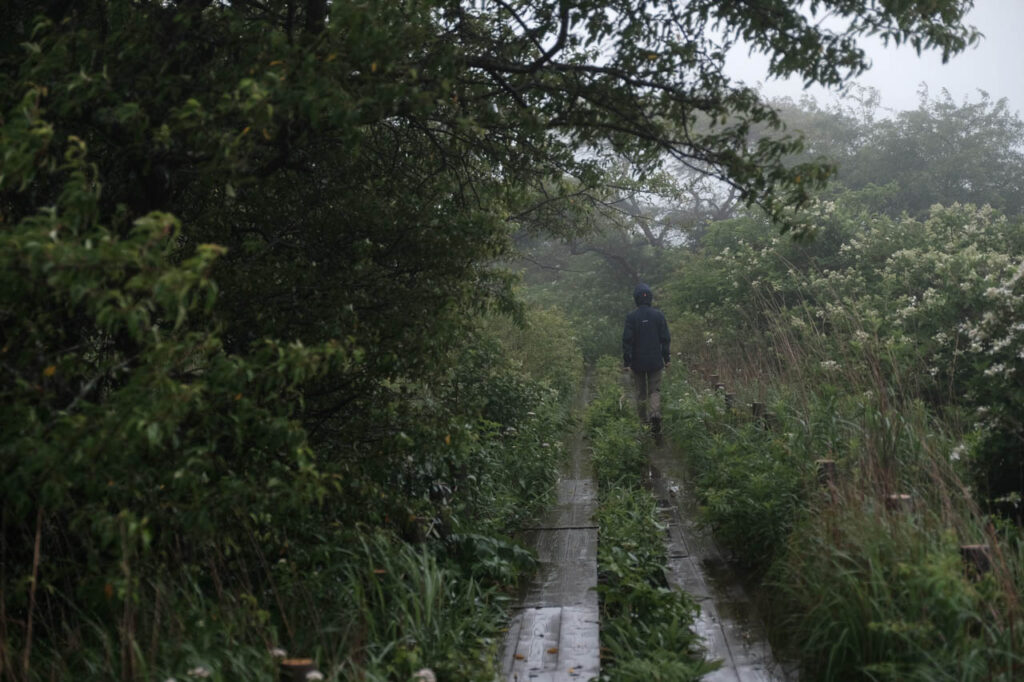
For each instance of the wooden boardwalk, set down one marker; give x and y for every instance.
(728, 623)
(554, 635)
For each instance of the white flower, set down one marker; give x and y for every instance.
(278, 652)
(314, 675)
(424, 675)
(200, 671)
(1001, 344)
(998, 368)
(957, 452)
(829, 365)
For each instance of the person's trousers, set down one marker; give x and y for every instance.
(648, 394)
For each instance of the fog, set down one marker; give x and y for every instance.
(898, 73)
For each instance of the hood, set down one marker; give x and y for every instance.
(642, 294)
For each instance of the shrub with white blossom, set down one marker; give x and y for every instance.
(930, 309)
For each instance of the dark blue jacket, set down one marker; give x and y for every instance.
(645, 338)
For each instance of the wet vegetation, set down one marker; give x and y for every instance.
(646, 626)
(887, 346)
(886, 340)
(295, 298)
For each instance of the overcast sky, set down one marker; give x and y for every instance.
(995, 65)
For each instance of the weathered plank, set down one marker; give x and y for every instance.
(556, 643)
(727, 623)
(554, 635)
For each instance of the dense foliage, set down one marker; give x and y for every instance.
(887, 339)
(908, 309)
(257, 388)
(891, 346)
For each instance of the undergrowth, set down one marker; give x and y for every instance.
(859, 587)
(646, 627)
(399, 564)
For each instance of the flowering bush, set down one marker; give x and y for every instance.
(930, 309)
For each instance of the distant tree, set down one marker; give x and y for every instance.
(944, 152)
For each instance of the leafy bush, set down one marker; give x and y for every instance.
(164, 504)
(858, 591)
(644, 623)
(750, 481)
(905, 309)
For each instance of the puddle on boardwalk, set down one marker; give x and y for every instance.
(729, 622)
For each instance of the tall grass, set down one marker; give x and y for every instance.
(406, 611)
(857, 591)
(427, 589)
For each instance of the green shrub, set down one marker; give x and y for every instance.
(750, 482)
(644, 623)
(858, 592)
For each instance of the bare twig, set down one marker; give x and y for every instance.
(26, 661)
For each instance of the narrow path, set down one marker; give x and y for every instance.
(728, 622)
(554, 635)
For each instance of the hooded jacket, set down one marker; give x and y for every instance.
(645, 337)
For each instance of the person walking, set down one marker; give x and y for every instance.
(645, 351)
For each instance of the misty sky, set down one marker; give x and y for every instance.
(996, 65)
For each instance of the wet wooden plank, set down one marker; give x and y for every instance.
(553, 585)
(568, 516)
(511, 643)
(696, 565)
(578, 653)
(709, 627)
(555, 634)
(566, 544)
(576, 491)
(538, 635)
(683, 574)
(554, 643)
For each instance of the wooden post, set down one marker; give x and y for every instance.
(977, 560)
(713, 380)
(730, 401)
(771, 421)
(899, 502)
(298, 670)
(757, 409)
(827, 474)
